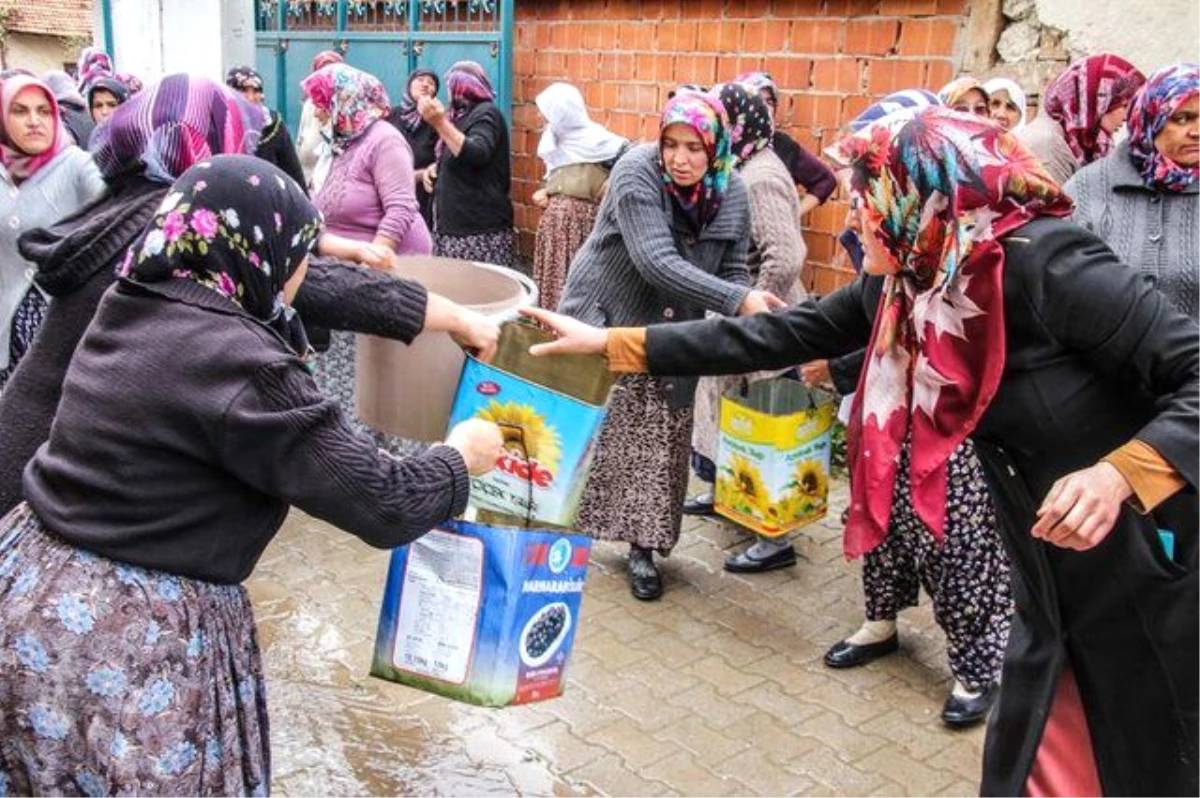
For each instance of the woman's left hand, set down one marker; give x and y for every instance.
(574, 337)
(431, 109)
(1082, 507)
(375, 256)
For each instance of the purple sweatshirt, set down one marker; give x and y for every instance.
(370, 191)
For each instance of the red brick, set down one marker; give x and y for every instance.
(748, 63)
(871, 37)
(731, 37)
(943, 36)
(700, 69)
(951, 6)
(703, 9)
(885, 76)
(815, 36)
(796, 8)
(907, 8)
(590, 35)
(616, 66)
(823, 111)
(582, 67)
(939, 73)
(523, 62)
(678, 37)
(836, 74)
(854, 105)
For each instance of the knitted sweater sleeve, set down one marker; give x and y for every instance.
(282, 436)
(391, 170)
(775, 233)
(340, 296)
(651, 247)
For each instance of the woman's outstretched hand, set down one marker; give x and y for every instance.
(1082, 507)
(479, 442)
(760, 302)
(476, 333)
(574, 337)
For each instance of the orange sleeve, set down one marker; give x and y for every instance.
(1152, 478)
(626, 350)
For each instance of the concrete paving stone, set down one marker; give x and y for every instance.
(628, 626)
(635, 747)
(609, 776)
(917, 778)
(647, 712)
(961, 789)
(726, 679)
(671, 652)
(606, 646)
(846, 702)
(581, 711)
(687, 774)
(850, 743)
(768, 735)
(789, 710)
(557, 743)
(736, 649)
(662, 680)
(832, 776)
(600, 681)
(716, 710)
(914, 740)
(709, 745)
(761, 775)
(514, 722)
(890, 789)
(964, 755)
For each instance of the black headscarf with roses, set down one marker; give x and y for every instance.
(238, 226)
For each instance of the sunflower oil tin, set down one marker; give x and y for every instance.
(549, 434)
(773, 456)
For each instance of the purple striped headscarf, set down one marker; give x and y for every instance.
(468, 85)
(177, 122)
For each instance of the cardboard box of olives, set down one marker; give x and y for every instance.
(482, 613)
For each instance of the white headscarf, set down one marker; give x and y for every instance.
(1014, 92)
(571, 137)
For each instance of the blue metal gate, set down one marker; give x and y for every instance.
(388, 38)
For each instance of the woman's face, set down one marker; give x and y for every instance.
(973, 102)
(1112, 121)
(1003, 109)
(683, 154)
(876, 257)
(1179, 139)
(422, 86)
(254, 94)
(770, 101)
(30, 121)
(104, 103)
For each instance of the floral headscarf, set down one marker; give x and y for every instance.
(238, 226)
(571, 137)
(177, 122)
(243, 78)
(761, 82)
(704, 114)
(20, 164)
(410, 117)
(1082, 94)
(942, 190)
(93, 63)
(750, 127)
(1152, 107)
(325, 58)
(353, 99)
(955, 90)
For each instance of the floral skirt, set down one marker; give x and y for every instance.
(27, 320)
(116, 679)
(499, 247)
(566, 223)
(639, 476)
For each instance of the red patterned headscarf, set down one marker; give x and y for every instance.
(20, 164)
(1083, 93)
(938, 193)
(353, 99)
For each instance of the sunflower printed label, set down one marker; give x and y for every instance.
(548, 440)
(773, 456)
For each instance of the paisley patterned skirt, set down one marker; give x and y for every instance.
(566, 223)
(499, 248)
(116, 679)
(636, 488)
(27, 320)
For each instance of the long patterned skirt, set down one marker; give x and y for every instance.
(639, 476)
(966, 575)
(499, 247)
(116, 679)
(566, 223)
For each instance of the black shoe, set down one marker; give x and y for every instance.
(743, 563)
(963, 712)
(694, 507)
(645, 582)
(849, 655)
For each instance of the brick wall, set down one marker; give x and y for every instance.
(831, 59)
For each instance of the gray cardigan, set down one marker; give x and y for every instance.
(642, 264)
(1155, 232)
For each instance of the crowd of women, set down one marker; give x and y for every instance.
(1021, 349)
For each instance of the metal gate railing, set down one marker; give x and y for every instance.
(388, 38)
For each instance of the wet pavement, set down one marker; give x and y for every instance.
(717, 689)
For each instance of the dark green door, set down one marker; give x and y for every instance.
(386, 38)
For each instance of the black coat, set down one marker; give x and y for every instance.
(423, 140)
(276, 147)
(1095, 357)
(471, 195)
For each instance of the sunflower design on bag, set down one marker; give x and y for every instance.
(742, 487)
(527, 436)
(810, 484)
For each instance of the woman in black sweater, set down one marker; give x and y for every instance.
(275, 143)
(189, 423)
(420, 136)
